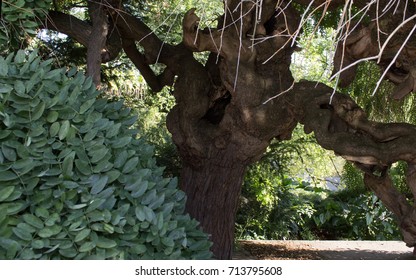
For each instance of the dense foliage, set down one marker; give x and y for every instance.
(19, 21)
(275, 206)
(78, 184)
(75, 181)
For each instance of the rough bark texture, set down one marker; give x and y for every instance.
(228, 110)
(96, 40)
(215, 196)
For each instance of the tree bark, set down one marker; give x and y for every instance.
(96, 41)
(213, 192)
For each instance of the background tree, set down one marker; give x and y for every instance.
(230, 107)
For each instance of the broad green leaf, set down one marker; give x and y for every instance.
(69, 253)
(105, 243)
(6, 88)
(42, 212)
(70, 185)
(4, 133)
(149, 197)
(130, 121)
(99, 185)
(55, 128)
(108, 228)
(130, 165)
(14, 207)
(121, 159)
(87, 84)
(72, 71)
(9, 153)
(33, 221)
(106, 193)
(5, 192)
(26, 227)
(90, 135)
(167, 241)
(139, 249)
(113, 131)
(149, 214)
(86, 105)
(19, 4)
(158, 202)
(20, 55)
(82, 235)
(27, 254)
(77, 206)
(11, 246)
(199, 245)
(38, 111)
(47, 232)
(15, 195)
(20, 89)
(121, 142)
(52, 116)
(38, 244)
(52, 249)
(24, 165)
(95, 204)
(68, 164)
(52, 74)
(160, 221)
(83, 166)
(112, 175)
(98, 155)
(140, 214)
(52, 219)
(86, 247)
(4, 68)
(6, 176)
(22, 234)
(64, 129)
(142, 188)
(133, 186)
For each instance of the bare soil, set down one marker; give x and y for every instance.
(323, 250)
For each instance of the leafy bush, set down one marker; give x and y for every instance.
(361, 217)
(19, 21)
(75, 181)
(275, 206)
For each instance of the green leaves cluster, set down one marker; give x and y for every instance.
(358, 217)
(75, 183)
(20, 19)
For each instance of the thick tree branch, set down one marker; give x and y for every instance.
(80, 31)
(388, 39)
(133, 31)
(156, 83)
(343, 127)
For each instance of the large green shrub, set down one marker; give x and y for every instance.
(75, 183)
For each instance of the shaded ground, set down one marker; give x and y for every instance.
(323, 250)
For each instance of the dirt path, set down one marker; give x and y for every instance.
(324, 250)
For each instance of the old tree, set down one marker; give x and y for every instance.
(229, 109)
